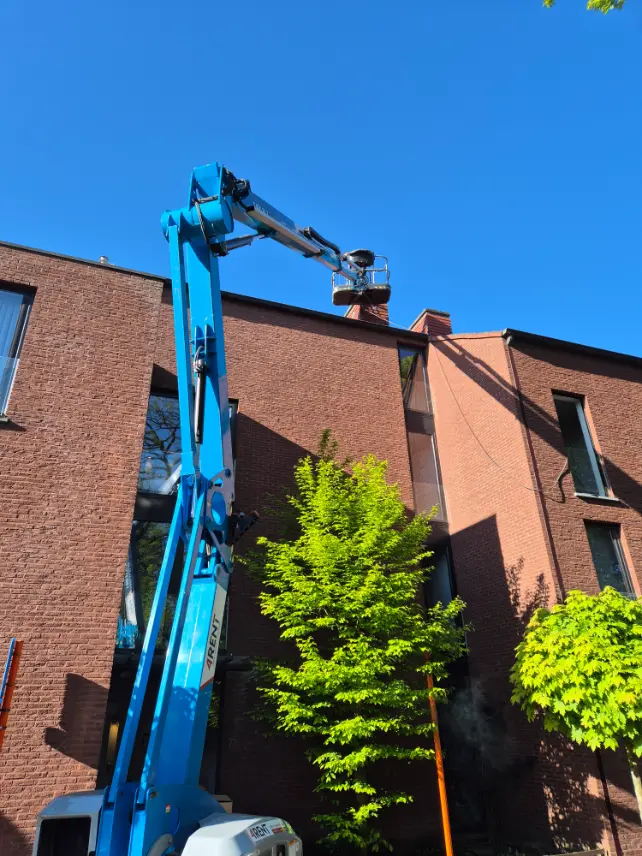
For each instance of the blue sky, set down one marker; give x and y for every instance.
(492, 150)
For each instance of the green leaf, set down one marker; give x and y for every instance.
(579, 667)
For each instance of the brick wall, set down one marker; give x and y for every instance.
(613, 400)
(69, 461)
(538, 792)
(70, 458)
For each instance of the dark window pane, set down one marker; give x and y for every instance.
(14, 312)
(147, 548)
(582, 459)
(414, 381)
(608, 557)
(425, 480)
(161, 458)
(439, 587)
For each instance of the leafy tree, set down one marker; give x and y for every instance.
(344, 588)
(596, 5)
(579, 667)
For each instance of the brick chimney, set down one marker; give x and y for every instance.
(433, 322)
(374, 314)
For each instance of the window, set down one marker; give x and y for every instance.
(414, 383)
(439, 587)
(14, 313)
(161, 459)
(160, 464)
(157, 487)
(147, 547)
(586, 470)
(608, 556)
(422, 451)
(425, 474)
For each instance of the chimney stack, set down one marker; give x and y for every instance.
(375, 314)
(433, 323)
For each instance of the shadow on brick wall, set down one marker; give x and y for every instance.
(12, 842)
(285, 783)
(541, 424)
(536, 785)
(81, 721)
(538, 420)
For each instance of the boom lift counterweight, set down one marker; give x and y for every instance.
(166, 812)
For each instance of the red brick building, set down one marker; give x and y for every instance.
(480, 425)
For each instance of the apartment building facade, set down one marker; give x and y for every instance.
(480, 426)
(539, 445)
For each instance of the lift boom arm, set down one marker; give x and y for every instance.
(159, 814)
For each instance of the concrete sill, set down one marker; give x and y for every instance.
(591, 497)
(4, 419)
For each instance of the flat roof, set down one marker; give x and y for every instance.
(573, 347)
(239, 298)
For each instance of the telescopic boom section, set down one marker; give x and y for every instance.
(218, 198)
(166, 812)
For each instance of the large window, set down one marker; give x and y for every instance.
(439, 587)
(160, 463)
(414, 382)
(147, 547)
(608, 556)
(425, 473)
(157, 486)
(14, 313)
(588, 476)
(422, 449)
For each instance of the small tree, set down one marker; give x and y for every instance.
(579, 667)
(345, 590)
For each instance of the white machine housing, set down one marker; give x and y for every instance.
(243, 835)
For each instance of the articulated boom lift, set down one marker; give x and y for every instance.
(166, 812)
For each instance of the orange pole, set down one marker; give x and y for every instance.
(439, 761)
(8, 693)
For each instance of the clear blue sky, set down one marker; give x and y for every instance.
(492, 149)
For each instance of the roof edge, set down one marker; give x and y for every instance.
(574, 347)
(78, 260)
(386, 329)
(230, 295)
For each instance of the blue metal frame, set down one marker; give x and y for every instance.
(167, 800)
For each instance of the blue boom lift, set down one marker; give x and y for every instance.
(166, 812)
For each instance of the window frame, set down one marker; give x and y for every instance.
(614, 531)
(418, 355)
(151, 506)
(441, 514)
(17, 341)
(604, 488)
(173, 396)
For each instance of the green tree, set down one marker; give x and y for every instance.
(344, 589)
(579, 667)
(595, 5)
